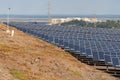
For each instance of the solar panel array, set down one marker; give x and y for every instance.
(99, 44)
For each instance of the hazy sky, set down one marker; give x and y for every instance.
(60, 7)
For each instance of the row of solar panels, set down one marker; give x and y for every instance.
(43, 29)
(69, 29)
(99, 48)
(99, 37)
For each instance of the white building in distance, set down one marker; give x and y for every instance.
(63, 20)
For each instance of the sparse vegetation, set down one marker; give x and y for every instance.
(107, 24)
(4, 48)
(18, 74)
(76, 73)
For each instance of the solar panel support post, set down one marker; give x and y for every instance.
(107, 68)
(115, 73)
(95, 63)
(82, 60)
(77, 56)
(88, 62)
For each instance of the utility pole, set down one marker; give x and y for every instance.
(8, 16)
(49, 17)
(95, 19)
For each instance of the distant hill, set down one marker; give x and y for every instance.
(24, 57)
(61, 16)
(105, 24)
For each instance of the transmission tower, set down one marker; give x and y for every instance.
(95, 18)
(49, 17)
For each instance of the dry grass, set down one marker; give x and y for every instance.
(76, 73)
(18, 74)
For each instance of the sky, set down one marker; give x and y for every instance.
(60, 7)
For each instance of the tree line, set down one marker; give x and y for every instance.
(106, 24)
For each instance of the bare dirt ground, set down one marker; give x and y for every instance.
(24, 57)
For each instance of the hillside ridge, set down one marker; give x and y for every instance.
(25, 57)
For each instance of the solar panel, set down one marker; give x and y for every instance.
(95, 56)
(60, 41)
(101, 56)
(66, 43)
(115, 62)
(71, 44)
(108, 60)
(56, 40)
(77, 47)
(89, 53)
